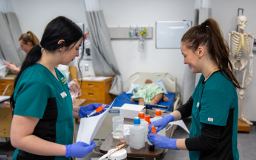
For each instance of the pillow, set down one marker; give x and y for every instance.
(132, 88)
(161, 82)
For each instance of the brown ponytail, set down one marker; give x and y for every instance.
(209, 34)
(29, 37)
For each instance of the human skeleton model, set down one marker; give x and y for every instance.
(240, 42)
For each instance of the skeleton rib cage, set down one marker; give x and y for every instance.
(240, 43)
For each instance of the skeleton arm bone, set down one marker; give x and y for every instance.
(249, 78)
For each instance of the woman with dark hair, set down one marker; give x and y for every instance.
(27, 41)
(213, 106)
(42, 125)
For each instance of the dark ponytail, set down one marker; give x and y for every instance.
(209, 34)
(59, 28)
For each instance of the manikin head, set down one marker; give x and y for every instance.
(241, 22)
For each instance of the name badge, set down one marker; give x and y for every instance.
(197, 105)
(63, 94)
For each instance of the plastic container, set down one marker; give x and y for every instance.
(118, 155)
(141, 45)
(137, 140)
(143, 123)
(3, 69)
(158, 115)
(118, 126)
(147, 118)
(123, 139)
(151, 147)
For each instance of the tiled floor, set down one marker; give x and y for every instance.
(246, 147)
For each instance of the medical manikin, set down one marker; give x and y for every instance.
(241, 44)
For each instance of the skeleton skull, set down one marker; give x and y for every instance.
(241, 22)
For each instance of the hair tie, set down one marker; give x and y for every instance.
(41, 47)
(203, 25)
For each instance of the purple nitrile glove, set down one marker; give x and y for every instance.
(84, 111)
(79, 149)
(162, 141)
(161, 123)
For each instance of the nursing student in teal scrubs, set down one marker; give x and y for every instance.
(42, 125)
(213, 106)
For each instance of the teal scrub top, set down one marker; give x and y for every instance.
(39, 94)
(215, 98)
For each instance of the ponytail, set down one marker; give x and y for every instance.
(209, 34)
(32, 57)
(35, 41)
(29, 37)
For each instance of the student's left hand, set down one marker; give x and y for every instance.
(84, 111)
(162, 141)
(79, 149)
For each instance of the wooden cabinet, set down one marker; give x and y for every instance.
(96, 91)
(9, 79)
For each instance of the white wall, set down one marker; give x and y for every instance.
(34, 15)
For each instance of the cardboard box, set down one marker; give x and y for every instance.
(131, 110)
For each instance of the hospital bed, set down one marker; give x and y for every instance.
(140, 78)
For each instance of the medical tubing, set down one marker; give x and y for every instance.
(155, 106)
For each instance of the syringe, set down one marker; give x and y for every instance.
(153, 129)
(97, 110)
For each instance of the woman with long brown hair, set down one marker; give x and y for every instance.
(213, 106)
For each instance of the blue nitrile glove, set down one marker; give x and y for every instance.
(161, 123)
(84, 111)
(79, 149)
(162, 141)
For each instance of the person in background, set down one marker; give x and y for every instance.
(27, 41)
(213, 106)
(42, 125)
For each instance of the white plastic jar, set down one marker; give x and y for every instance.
(118, 155)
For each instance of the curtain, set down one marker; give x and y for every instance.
(6, 42)
(103, 58)
(188, 84)
(9, 34)
(15, 33)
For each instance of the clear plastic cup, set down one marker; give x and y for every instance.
(123, 139)
(118, 123)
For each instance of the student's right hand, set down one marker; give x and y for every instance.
(161, 123)
(84, 111)
(12, 67)
(79, 149)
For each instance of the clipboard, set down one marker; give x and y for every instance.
(4, 98)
